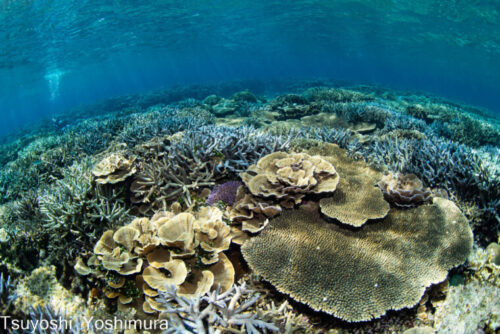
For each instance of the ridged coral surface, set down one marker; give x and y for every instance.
(358, 275)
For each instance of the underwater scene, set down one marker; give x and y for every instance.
(231, 166)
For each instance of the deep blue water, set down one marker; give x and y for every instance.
(55, 55)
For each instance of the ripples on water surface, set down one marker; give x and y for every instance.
(57, 54)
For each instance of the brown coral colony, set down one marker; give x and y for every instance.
(184, 250)
(304, 249)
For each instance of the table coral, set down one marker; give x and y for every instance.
(355, 202)
(358, 275)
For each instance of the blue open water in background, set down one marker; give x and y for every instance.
(56, 55)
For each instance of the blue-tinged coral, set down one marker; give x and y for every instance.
(444, 164)
(232, 310)
(161, 121)
(76, 210)
(470, 308)
(291, 106)
(105, 171)
(7, 295)
(196, 160)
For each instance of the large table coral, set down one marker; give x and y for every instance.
(358, 275)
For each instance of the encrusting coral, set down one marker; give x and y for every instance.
(113, 169)
(404, 190)
(147, 255)
(358, 275)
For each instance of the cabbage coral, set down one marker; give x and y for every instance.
(147, 255)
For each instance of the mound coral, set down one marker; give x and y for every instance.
(404, 190)
(147, 255)
(289, 177)
(358, 275)
(113, 169)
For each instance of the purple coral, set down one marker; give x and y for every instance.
(225, 192)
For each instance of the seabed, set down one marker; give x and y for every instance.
(305, 207)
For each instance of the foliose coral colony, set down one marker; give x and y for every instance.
(216, 208)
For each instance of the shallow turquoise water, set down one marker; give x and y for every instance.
(56, 55)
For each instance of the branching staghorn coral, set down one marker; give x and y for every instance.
(215, 312)
(7, 296)
(161, 121)
(77, 211)
(197, 160)
(440, 163)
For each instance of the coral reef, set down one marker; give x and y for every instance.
(197, 160)
(469, 308)
(229, 310)
(113, 169)
(359, 275)
(404, 190)
(225, 192)
(289, 177)
(117, 193)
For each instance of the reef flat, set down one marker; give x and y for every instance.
(306, 207)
